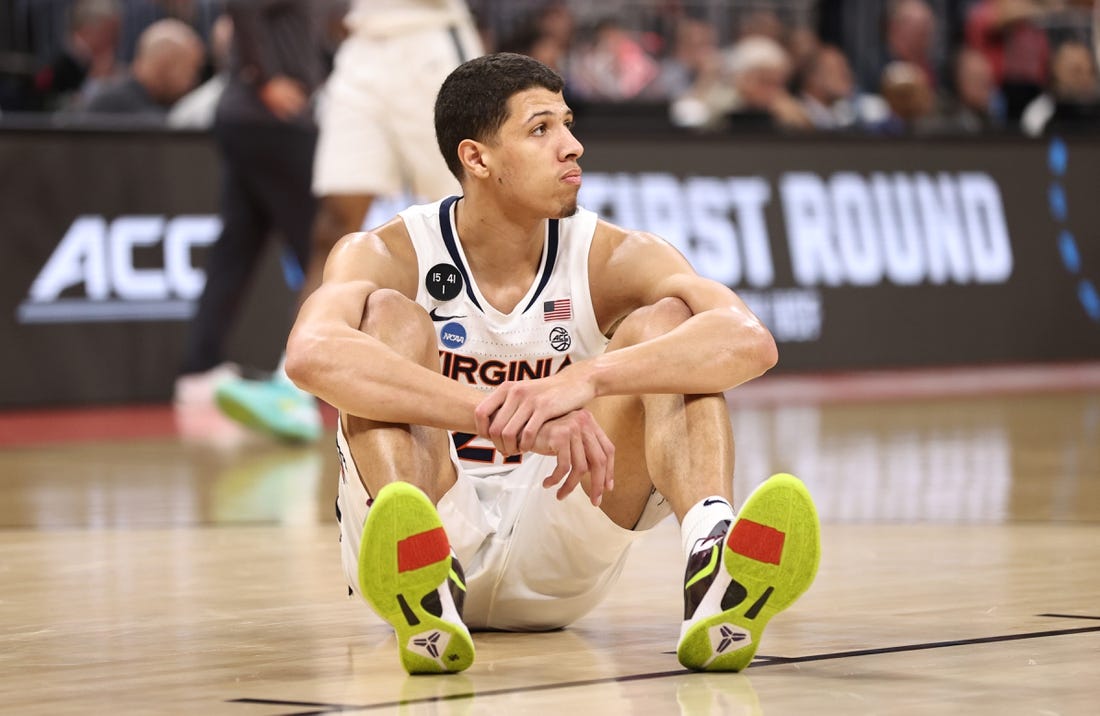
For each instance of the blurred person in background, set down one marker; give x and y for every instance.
(694, 57)
(803, 43)
(976, 105)
(88, 57)
(829, 97)
(166, 66)
(555, 23)
(377, 138)
(761, 22)
(748, 92)
(760, 69)
(196, 109)
(528, 41)
(613, 66)
(1070, 102)
(1008, 34)
(908, 93)
(910, 36)
(266, 134)
(546, 35)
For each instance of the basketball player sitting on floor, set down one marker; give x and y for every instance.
(489, 348)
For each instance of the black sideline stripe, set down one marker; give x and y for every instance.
(759, 662)
(930, 645)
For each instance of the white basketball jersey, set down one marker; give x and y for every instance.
(551, 327)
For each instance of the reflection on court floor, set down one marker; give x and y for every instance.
(181, 566)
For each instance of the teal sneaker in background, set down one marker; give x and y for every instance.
(276, 407)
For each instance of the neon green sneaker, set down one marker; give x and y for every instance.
(745, 575)
(276, 407)
(411, 579)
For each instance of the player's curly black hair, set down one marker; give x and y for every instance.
(473, 101)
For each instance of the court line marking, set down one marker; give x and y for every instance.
(759, 662)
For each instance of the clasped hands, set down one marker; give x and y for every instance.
(548, 416)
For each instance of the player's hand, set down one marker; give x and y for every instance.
(284, 97)
(582, 449)
(513, 414)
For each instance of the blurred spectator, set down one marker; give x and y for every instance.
(829, 97)
(555, 21)
(265, 134)
(709, 99)
(1072, 96)
(747, 91)
(910, 34)
(613, 67)
(85, 61)
(694, 57)
(169, 56)
(760, 69)
(909, 96)
(761, 22)
(195, 110)
(1005, 31)
(547, 36)
(803, 45)
(544, 48)
(976, 105)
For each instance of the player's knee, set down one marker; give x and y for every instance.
(400, 323)
(651, 321)
(387, 308)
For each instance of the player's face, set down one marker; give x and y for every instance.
(537, 153)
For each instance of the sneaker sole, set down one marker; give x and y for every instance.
(772, 550)
(405, 556)
(245, 415)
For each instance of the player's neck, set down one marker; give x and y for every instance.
(495, 236)
(503, 251)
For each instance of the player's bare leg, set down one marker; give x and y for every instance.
(389, 452)
(407, 571)
(741, 570)
(680, 445)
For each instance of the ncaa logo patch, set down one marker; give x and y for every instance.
(452, 335)
(560, 340)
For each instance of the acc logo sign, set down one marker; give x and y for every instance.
(99, 257)
(560, 340)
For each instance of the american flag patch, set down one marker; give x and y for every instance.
(559, 310)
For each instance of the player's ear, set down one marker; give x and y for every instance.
(474, 156)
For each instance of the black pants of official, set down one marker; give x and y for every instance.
(265, 193)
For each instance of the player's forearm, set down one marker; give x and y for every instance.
(363, 377)
(709, 353)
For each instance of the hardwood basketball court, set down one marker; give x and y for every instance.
(160, 563)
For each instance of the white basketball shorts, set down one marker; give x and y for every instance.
(532, 562)
(376, 114)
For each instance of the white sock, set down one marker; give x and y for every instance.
(701, 519)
